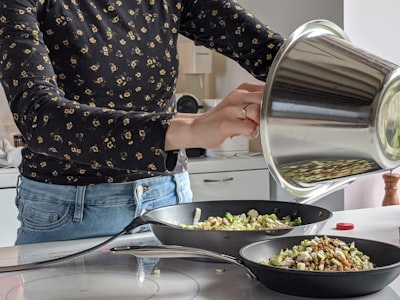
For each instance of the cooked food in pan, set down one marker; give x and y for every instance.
(319, 170)
(322, 254)
(251, 220)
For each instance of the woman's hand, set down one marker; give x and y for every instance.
(237, 114)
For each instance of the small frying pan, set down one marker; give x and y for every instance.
(315, 284)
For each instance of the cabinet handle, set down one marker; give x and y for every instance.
(218, 180)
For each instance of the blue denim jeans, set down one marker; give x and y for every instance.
(50, 212)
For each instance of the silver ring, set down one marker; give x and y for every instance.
(244, 111)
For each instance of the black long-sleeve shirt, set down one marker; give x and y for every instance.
(90, 83)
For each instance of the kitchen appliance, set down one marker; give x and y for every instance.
(330, 113)
(315, 284)
(188, 103)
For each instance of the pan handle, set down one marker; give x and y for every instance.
(172, 251)
(336, 186)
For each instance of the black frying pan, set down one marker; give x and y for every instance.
(165, 223)
(315, 284)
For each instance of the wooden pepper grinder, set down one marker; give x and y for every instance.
(391, 197)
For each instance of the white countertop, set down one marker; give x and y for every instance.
(102, 275)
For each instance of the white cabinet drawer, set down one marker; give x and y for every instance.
(8, 217)
(236, 185)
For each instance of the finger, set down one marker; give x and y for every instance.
(252, 87)
(247, 128)
(251, 112)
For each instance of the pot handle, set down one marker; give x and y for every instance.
(336, 186)
(172, 251)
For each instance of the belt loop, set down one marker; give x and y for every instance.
(178, 188)
(18, 185)
(79, 203)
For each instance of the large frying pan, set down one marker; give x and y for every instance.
(165, 223)
(316, 284)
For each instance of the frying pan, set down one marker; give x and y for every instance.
(315, 284)
(165, 222)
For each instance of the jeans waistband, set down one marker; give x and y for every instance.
(113, 192)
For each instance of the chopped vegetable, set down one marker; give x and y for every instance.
(251, 220)
(321, 254)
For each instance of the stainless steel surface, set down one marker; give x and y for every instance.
(172, 251)
(327, 103)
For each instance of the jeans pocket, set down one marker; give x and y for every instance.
(43, 215)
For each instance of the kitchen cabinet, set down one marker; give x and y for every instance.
(8, 211)
(234, 178)
(241, 178)
(8, 217)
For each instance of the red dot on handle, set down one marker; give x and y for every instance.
(344, 226)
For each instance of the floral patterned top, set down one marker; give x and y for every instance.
(91, 83)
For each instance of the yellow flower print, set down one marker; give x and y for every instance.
(76, 150)
(96, 123)
(113, 67)
(142, 134)
(109, 164)
(73, 60)
(110, 142)
(128, 135)
(57, 138)
(95, 67)
(94, 148)
(95, 165)
(126, 121)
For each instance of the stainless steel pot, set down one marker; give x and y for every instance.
(330, 113)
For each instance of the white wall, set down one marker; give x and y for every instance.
(283, 16)
(7, 125)
(371, 25)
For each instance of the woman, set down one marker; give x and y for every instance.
(91, 87)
